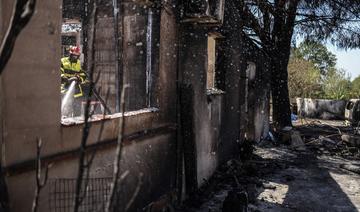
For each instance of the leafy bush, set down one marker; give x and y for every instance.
(312, 74)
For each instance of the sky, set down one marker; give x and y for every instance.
(348, 60)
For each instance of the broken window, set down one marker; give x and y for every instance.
(126, 49)
(350, 105)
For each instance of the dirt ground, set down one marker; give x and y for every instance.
(280, 177)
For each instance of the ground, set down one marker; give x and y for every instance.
(278, 177)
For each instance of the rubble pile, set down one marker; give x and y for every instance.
(237, 185)
(331, 138)
(313, 164)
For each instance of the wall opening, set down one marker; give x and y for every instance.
(211, 69)
(214, 78)
(126, 47)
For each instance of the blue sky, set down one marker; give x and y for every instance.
(348, 60)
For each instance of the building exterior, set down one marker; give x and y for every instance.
(196, 91)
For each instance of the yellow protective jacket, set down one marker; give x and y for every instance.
(69, 70)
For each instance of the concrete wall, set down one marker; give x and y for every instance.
(246, 107)
(219, 122)
(258, 98)
(31, 110)
(145, 155)
(321, 108)
(31, 83)
(216, 124)
(207, 109)
(233, 67)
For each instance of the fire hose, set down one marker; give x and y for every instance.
(74, 82)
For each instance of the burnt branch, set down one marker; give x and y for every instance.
(250, 20)
(40, 183)
(136, 192)
(22, 13)
(113, 195)
(83, 166)
(116, 174)
(92, 156)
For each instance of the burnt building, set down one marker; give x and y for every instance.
(196, 90)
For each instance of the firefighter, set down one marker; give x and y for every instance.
(71, 70)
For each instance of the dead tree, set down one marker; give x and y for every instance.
(115, 181)
(83, 164)
(40, 183)
(136, 192)
(113, 196)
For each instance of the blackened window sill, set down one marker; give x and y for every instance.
(99, 117)
(214, 91)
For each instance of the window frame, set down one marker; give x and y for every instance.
(150, 73)
(212, 72)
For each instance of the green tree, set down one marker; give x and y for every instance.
(355, 88)
(318, 54)
(337, 85)
(271, 25)
(304, 79)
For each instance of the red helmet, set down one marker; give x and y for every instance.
(74, 50)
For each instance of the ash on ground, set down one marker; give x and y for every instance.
(320, 174)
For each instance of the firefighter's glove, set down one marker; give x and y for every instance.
(73, 79)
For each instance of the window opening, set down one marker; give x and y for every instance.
(350, 105)
(135, 56)
(140, 54)
(211, 62)
(213, 76)
(149, 57)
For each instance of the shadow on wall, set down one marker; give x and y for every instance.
(321, 108)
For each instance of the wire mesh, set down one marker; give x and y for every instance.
(94, 194)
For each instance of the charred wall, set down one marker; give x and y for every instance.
(31, 110)
(232, 67)
(128, 46)
(73, 9)
(217, 121)
(246, 104)
(140, 156)
(206, 107)
(258, 97)
(216, 124)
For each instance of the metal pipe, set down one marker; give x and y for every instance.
(149, 42)
(118, 65)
